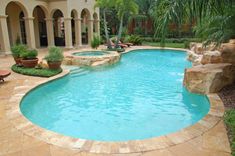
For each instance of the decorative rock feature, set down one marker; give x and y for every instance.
(194, 58)
(211, 57)
(209, 78)
(110, 58)
(228, 52)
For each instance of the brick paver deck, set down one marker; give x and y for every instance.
(208, 138)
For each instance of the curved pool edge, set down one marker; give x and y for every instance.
(27, 127)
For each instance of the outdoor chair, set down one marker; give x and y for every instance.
(4, 74)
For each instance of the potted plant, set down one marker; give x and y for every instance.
(16, 52)
(29, 58)
(54, 58)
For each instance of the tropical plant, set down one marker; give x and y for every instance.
(95, 42)
(179, 11)
(217, 29)
(29, 54)
(124, 7)
(55, 55)
(134, 39)
(144, 15)
(18, 49)
(104, 5)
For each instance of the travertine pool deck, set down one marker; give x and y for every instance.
(20, 137)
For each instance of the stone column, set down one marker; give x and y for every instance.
(4, 36)
(98, 27)
(78, 32)
(36, 31)
(30, 35)
(68, 33)
(90, 31)
(50, 32)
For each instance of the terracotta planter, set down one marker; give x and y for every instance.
(31, 63)
(17, 60)
(54, 65)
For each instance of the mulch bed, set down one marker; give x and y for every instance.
(227, 94)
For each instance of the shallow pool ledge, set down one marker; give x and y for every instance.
(24, 125)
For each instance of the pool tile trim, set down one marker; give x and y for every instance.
(15, 116)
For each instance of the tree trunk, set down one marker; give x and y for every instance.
(106, 31)
(119, 32)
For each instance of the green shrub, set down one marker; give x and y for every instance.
(186, 44)
(55, 55)
(29, 54)
(138, 31)
(95, 43)
(35, 72)
(229, 119)
(18, 49)
(135, 39)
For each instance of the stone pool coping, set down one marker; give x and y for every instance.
(24, 125)
(110, 57)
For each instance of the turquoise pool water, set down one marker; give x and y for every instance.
(91, 53)
(139, 98)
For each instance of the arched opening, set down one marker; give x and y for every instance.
(58, 24)
(73, 16)
(16, 23)
(40, 28)
(95, 23)
(85, 17)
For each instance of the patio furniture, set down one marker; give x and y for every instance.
(4, 74)
(119, 44)
(128, 44)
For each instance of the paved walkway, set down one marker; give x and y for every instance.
(14, 142)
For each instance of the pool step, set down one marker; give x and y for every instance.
(69, 67)
(76, 70)
(80, 73)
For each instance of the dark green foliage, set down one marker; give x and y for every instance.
(35, 72)
(18, 49)
(214, 18)
(168, 45)
(171, 40)
(135, 39)
(229, 119)
(186, 44)
(29, 54)
(55, 55)
(95, 43)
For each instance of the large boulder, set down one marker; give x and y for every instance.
(211, 57)
(228, 52)
(209, 78)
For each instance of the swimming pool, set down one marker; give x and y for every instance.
(140, 97)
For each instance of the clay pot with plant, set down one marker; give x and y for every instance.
(16, 52)
(29, 58)
(54, 58)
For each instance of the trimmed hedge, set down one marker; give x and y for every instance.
(35, 72)
(171, 40)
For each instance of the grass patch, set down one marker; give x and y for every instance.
(229, 119)
(170, 45)
(35, 72)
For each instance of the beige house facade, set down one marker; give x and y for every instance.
(44, 23)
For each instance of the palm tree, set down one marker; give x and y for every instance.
(123, 8)
(178, 11)
(105, 5)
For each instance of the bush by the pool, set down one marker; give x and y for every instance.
(40, 72)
